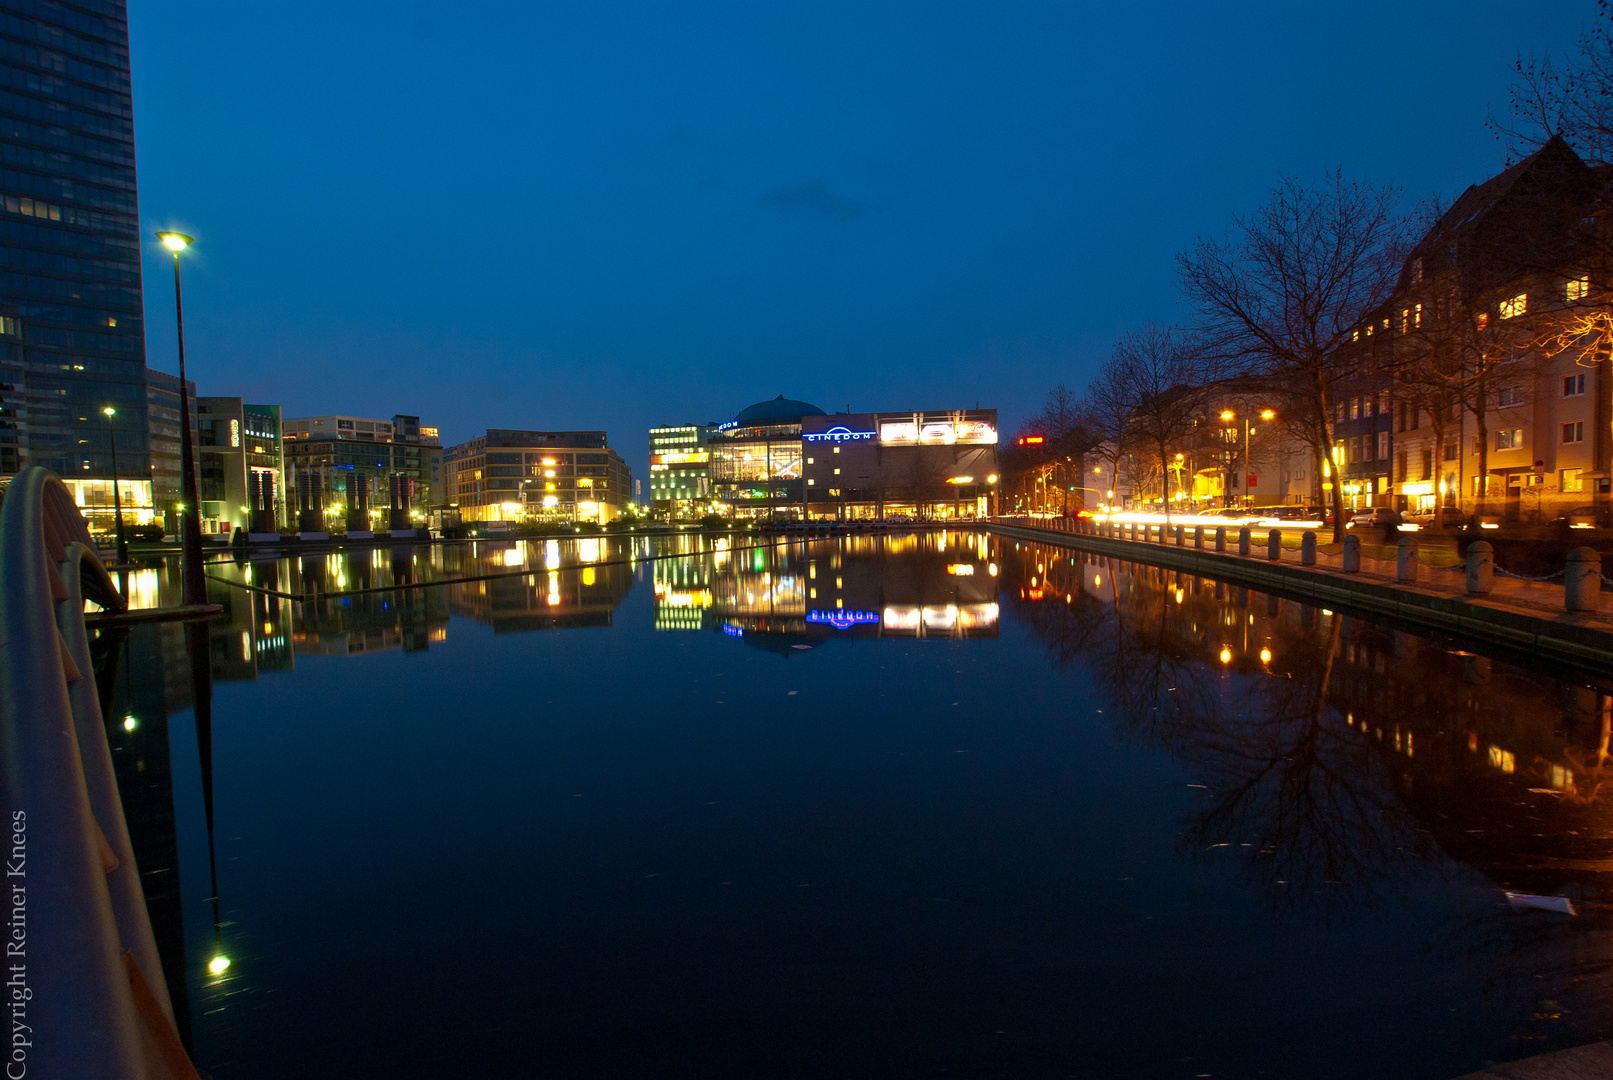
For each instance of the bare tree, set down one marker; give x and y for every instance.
(1572, 98)
(1283, 292)
(1165, 382)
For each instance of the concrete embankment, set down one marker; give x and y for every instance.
(1581, 640)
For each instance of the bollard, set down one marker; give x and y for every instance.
(1307, 548)
(1220, 538)
(1480, 567)
(1178, 536)
(1582, 584)
(1198, 536)
(1352, 554)
(1243, 540)
(1274, 545)
(1406, 558)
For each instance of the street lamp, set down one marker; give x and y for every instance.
(117, 501)
(1265, 414)
(193, 588)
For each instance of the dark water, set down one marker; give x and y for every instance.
(932, 805)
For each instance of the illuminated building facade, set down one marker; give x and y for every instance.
(680, 469)
(355, 465)
(238, 456)
(516, 475)
(937, 464)
(72, 327)
(756, 460)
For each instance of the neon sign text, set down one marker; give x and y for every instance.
(838, 434)
(842, 620)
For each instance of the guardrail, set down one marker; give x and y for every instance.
(79, 939)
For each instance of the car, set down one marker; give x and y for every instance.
(1289, 513)
(1381, 516)
(1441, 517)
(1585, 517)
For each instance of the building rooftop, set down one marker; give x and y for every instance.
(780, 408)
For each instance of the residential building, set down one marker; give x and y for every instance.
(929, 464)
(1480, 376)
(680, 469)
(361, 472)
(72, 331)
(517, 475)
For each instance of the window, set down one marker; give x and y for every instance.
(811, 461)
(1428, 462)
(1577, 289)
(1573, 385)
(1509, 397)
(1355, 408)
(1383, 446)
(1416, 315)
(1573, 480)
(1509, 439)
(1355, 335)
(1355, 451)
(1405, 320)
(1574, 431)
(1383, 401)
(1340, 411)
(1367, 444)
(1481, 320)
(1400, 465)
(1450, 452)
(1514, 306)
(1416, 272)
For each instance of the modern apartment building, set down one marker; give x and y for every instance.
(680, 469)
(360, 472)
(517, 475)
(72, 332)
(240, 466)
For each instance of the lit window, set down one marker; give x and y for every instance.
(1416, 315)
(1573, 385)
(1510, 439)
(1573, 480)
(1482, 319)
(1577, 288)
(1574, 431)
(1355, 335)
(1517, 305)
(1405, 320)
(837, 472)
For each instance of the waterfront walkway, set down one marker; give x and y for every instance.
(1518, 613)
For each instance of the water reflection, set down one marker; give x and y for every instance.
(1335, 765)
(1333, 759)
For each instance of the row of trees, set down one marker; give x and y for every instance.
(1280, 303)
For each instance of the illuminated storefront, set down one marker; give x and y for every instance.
(929, 465)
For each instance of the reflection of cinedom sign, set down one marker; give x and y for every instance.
(838, 434)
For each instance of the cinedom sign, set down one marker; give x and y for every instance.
(838, 434)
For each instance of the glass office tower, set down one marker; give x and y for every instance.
(71, 329)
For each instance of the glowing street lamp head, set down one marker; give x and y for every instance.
(1227, 415)
(1267, 414)
(176, 241)
(110, 411)
(219, 964)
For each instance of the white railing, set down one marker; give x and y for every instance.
(82, 966)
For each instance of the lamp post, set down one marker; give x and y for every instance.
(117, 501)
(193, 587)
(1265, 414)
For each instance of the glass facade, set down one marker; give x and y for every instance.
(73, 337)
(537, 476)
(680, 469)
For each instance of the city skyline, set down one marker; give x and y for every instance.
(697, 211)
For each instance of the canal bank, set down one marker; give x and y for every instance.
(1583, 640)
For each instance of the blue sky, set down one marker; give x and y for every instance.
(612, 215)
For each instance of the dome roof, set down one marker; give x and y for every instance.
(780, 408)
